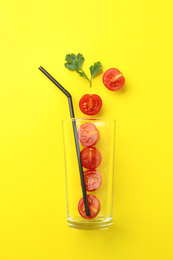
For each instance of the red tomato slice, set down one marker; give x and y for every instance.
(93, 180)
(113, 79)
(94, 206)
(91, 158)
(90, 104)
(88, 134)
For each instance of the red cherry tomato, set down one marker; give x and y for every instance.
(90, 104)
(88, 134)
(93, 180)
(113, 79)
(94, 206)
(91, 158)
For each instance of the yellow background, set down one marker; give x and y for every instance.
(133, 36)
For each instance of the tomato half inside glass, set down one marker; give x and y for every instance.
(93, 180)
(113, 79)
(90, 104)
(88, 134)
(94, 207)
(91, 158)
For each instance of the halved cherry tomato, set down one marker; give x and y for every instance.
(113, 79)
(90, 104)
(94, 206)
(93, 180)
(91, 158)
(88, 134)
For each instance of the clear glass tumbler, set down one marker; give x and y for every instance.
(98, 167)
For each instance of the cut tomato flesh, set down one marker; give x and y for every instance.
(90, 104)
(113, 79)
(91, 158)
(92, 180)
(88, 134)
(94, 206)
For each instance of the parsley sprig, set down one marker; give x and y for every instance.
(75, 62)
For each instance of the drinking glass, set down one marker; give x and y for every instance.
(106, 147)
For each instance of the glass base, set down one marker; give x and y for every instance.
(90, 225)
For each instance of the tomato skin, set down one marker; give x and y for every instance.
(113, 79)
(90, 104)
(93, 180)
(88, 134)
(94, 207)
(91, 158)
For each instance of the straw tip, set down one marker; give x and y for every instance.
(39, 67)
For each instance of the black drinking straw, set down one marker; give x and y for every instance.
(75, 136)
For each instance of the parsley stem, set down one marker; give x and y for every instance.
(85, 75)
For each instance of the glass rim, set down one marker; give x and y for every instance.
(89, 118)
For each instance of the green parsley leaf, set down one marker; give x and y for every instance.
(71, 62)
(80, 60)
(94, 70)
(75, 62)
(70, 66)
(82, 74)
